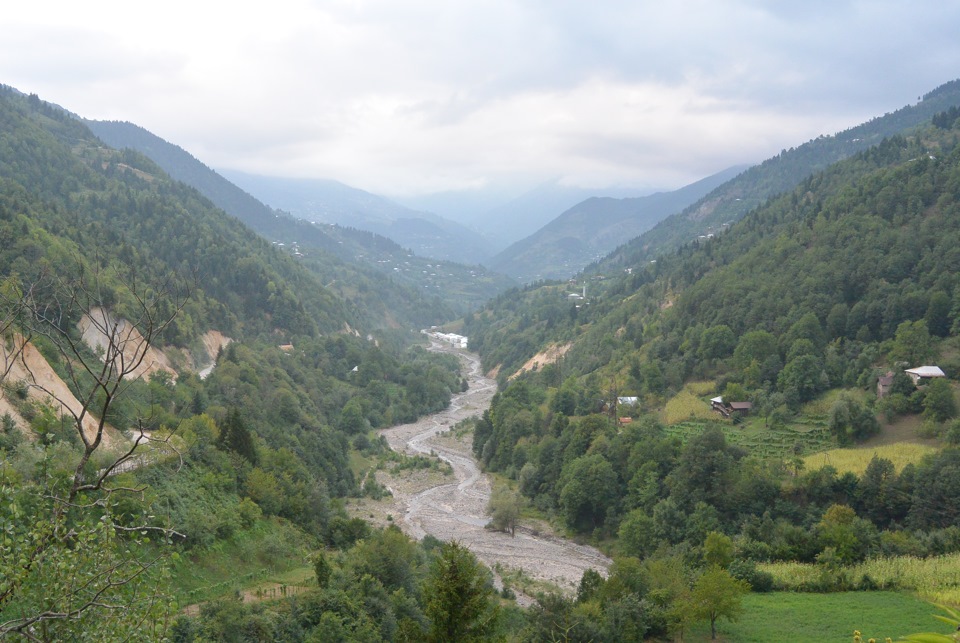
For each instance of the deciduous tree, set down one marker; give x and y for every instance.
(715, 595)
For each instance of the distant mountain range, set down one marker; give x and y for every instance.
(592, 228)
(327, 201)
(506, 215)
(415, 290)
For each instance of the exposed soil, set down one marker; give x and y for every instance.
(455, 508)
(101, 330)
(47, 387)
(549, 356)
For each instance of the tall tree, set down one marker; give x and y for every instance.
(939, 403)
(459, 597)
(236, 437)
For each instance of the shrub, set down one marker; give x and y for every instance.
(746, 570)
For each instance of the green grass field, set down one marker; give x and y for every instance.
(823, 618)
(857, 459)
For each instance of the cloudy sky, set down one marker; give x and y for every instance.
(405, 97)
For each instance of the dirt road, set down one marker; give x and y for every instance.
(457, 510)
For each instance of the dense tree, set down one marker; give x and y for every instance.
(936, 492)
(845, 534)
(937, 316)
(459, 597)
(851, 421)
(235, 436)
(803, 374)
(912, 343)
(504, 508)
(588, 491)
(717, 342)
(881, 498)
(939, 402)
(637, 534)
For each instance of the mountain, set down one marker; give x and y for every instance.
(594, 227)
(507, 214)
(687, 392)
(103, 254)
(766, 270)
(353, 262)
(114, 206)
(776, 175)
(326, 201)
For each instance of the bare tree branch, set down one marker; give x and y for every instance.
(54, 308)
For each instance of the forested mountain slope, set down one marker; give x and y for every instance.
(556, 318)
(674, 427)
(730, 201)
(354, 262)
(594, 227)
(110, 539)
(66, 194)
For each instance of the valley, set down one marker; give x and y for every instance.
(716, 414)
(457, 510)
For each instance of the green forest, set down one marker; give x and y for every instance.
(200, 491)
(246, 466)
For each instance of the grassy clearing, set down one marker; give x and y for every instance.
(702, 388)
(685, 406)
(260, 555)
(516, 579)
(821, 405)
(857, 459)
(688, 413)
(936, 579)
(825, 618)
(360, 464)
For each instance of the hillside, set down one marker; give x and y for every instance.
(70, 195)
(591, 229)
(413, 294)
(134, 485)
(671, 421)
(730, 201)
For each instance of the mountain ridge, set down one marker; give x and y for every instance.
(412, 291)
(592, 228)
(778, 174)
(325, 200)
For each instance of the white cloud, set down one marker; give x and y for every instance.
(428, 95)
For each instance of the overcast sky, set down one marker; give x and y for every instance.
(404, 97)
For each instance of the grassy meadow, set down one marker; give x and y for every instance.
(823, 618)
(856, 459)
(270, 552)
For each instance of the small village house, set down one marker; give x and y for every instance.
(923, 374)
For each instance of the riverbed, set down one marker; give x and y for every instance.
(454, 507)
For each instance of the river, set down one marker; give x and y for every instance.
(457, 510)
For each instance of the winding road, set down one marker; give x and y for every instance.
(457, 511)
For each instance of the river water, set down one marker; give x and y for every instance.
(457, 510)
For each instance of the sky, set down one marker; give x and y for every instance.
(407, 97)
